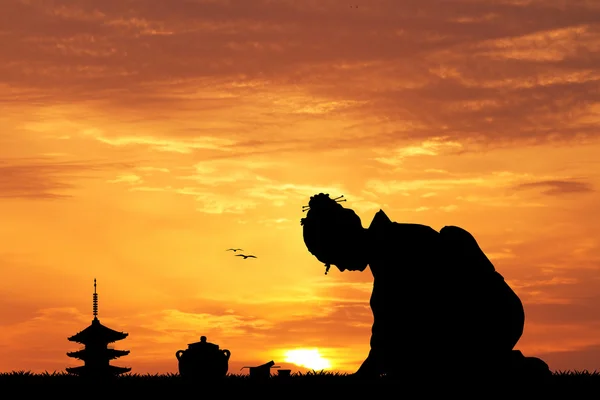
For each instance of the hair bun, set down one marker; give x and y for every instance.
(322, 202)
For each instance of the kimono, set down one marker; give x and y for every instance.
(437, 302)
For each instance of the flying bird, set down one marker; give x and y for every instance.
(245, 256)
(234, 250)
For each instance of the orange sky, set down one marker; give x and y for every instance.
(139, 140)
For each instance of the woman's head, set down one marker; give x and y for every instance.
(334, 234)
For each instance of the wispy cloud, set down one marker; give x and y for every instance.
(153, 169)
(557, 187)
(166, 145)
(432, 147)
(43, 179)
(130, 179)
(534, 79)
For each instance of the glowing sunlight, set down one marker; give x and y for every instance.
(307, 358)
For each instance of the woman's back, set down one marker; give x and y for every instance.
(434, 297)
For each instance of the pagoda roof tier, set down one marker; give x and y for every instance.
(110, 354)
(85, 370)
(97, 333)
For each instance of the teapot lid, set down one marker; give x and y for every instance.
(203, 344)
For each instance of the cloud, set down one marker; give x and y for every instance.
(557, 187)
(184, 146)
(388, 187)
(45, 179)
(432, 147)
(497, 189)
(535, 79)
(239, 185)
(175, 323)
(278, 223)
(153, 169)
(130, 179)
(449, 208)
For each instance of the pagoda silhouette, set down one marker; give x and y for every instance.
(96, 353)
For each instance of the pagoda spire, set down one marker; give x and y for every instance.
(95, 303)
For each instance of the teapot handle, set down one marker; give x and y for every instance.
(227, 353)
(179, 354)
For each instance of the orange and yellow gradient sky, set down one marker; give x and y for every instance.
(140, 139)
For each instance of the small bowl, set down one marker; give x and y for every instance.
(284, 372)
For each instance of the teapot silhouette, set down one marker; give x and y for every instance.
(203, 360)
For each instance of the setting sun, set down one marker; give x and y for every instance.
(307, 358)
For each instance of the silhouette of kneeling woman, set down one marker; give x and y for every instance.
(437, 301)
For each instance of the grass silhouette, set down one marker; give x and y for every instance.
(313, 384)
